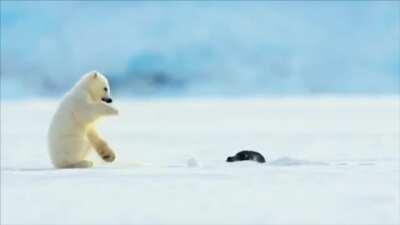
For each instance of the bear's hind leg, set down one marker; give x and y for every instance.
(81, 164)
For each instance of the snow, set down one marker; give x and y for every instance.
(330, 160)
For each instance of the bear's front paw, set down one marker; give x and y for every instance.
(109, 156)
(116, 112)
(112, 110)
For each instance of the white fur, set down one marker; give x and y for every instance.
(75, 117)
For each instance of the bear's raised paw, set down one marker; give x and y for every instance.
(108, 157)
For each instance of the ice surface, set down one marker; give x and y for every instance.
(287, 161)
(330, 161)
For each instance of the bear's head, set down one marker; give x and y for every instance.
(98, 87)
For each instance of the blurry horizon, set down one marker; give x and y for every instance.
(178, 49)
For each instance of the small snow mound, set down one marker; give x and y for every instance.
(192, 162)
(287, 161)
(367, 164)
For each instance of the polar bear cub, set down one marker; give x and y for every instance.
(72, 131)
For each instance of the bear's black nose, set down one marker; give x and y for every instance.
(108, 100)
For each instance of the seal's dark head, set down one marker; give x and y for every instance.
(246, 155)
(231, 159)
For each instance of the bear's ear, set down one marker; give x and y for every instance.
(94, 75)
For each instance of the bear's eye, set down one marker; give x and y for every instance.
(105, 89)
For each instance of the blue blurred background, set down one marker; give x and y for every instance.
(206, 49)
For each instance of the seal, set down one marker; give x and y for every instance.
(246, 155)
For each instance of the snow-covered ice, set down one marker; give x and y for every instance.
(330, 160)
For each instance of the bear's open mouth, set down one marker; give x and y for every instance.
(108, 100)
